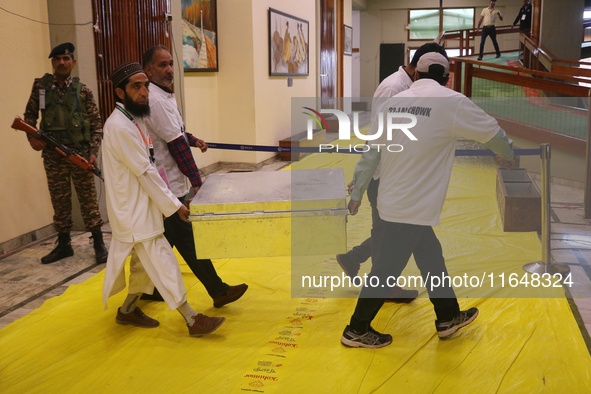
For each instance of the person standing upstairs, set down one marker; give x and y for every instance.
(489, 16)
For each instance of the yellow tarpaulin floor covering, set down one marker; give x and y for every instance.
(273, 343)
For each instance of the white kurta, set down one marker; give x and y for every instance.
(136, 198)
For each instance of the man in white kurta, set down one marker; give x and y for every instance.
(137, 200)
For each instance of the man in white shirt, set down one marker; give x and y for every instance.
(489, 16)
(137, 198)
(174, 160)
(395, 83)
(413, 185)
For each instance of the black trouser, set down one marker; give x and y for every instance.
(489, 31)
(392, 246)
(362, 252)
(180, 234)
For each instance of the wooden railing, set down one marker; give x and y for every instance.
(541, 72)
(535, 57)
(563, 83)
(541, 59)
(547, 84)
(545, 74)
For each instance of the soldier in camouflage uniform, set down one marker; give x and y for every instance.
(70, 115)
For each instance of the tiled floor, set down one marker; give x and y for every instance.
(26, 284)
(571, 246)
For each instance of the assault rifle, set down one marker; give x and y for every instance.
(69, 153)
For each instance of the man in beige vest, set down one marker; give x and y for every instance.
(489, 16)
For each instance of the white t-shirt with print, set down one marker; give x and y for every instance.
(414, 182)
(165, 124)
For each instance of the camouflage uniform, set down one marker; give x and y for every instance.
(61, 172)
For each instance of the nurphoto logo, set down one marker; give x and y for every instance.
(391, 120)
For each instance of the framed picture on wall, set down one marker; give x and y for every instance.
(288, 44)
(200, 35)
(348, 40)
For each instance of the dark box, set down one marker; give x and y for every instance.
(300, 140)
(519, 200)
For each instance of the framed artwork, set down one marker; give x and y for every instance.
(200, 35)
(288, 44)
(348, 40)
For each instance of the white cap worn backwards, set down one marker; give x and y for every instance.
(431, 58)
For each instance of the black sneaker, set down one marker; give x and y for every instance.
(446, 328)
(370, 339)
(349, 268)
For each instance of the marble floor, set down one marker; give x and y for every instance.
(26, 284)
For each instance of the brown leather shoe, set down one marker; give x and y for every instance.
(203, 325)
(136, 318)
(233, 293)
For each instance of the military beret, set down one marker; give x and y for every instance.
(124, 71)
(65, 48)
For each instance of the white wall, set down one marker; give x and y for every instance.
(25, 45)
(242, 104)
(272, 98)
(369, 51)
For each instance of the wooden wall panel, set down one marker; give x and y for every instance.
(126, 30)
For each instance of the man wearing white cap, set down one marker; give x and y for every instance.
(413, 185)
(398, 81)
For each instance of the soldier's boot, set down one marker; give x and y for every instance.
(61, 251)
(100, 251)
